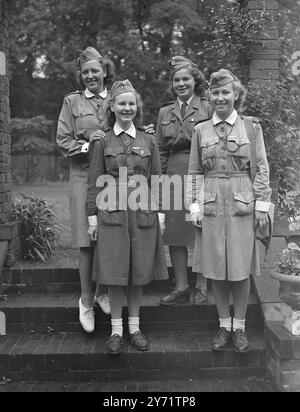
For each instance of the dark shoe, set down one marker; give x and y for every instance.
(114, 345)
(139, 341)
(221, 340)
(176, 296)
(240, 341)
(200, 297)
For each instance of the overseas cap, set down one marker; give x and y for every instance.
(119, 87)
(179, 62)
(221, 78)
(88, 54)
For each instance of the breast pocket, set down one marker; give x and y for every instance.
(243, 203)
(85, 119)
(141, 158)
(113, 157)
(238, 146)
(169, 127)
(210, 204)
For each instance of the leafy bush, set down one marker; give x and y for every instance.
(288, 261)
(39, 230)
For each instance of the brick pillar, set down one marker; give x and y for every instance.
(5, 158)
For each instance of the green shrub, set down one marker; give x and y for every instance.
(39, 230)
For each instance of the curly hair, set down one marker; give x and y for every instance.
(138, 120)
(200, 86)
(108, 66)
(241, 90)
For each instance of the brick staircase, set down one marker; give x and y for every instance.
(44, 341)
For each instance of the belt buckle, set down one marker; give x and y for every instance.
(227, 173)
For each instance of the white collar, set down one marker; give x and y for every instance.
(188, 102)
(230, 119)
(131, 131)
(89, 94)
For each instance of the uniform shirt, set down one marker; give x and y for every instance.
(230, 134)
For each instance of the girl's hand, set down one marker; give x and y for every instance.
(149, 128)
(97, 135)
(261, 220)
(162, 226)
(92, 231)
(196, 219)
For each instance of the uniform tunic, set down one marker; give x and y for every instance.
(129, 241)
(81, 114)
(174, 136)
(220, 151)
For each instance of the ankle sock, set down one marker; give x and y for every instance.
(239, 324)
(226, 323)
(117, 326)
(133, 325)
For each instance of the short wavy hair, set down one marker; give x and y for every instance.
(107, 65)
(239, 104)
(138, 120)
(199, 77)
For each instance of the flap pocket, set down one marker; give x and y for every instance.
(113, 151)
(165, 122)
(141, 151)
(210, 141)
(244, 197)
(209, 197)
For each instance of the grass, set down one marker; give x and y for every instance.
(57, 197)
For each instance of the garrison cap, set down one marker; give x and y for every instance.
(179, 62)
(221, 78)
(121, 86)
(88, 54)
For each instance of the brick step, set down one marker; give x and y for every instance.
(248, 384)
(45, 312)
(75, 357)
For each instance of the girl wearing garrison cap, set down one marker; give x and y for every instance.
(230, 191)
(122, 212)
(80, 122)
(175, 125)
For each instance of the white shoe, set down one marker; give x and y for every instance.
(103, 302)
(86, 318)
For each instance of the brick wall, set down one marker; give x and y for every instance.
(5, 159)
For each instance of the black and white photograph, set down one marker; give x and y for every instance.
(149, 199)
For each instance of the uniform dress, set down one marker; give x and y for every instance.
(82, 113)
(227, 249)
(174, 136)
(129, 241)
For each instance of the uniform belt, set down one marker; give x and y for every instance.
(225, 174)
(131, 182)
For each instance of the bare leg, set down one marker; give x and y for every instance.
(116, 299)
(201, 282)
(134, 299)
(179, 259)
(221, 295)
(241, 291)
(85, 272)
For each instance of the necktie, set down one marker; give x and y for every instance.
(183, 109)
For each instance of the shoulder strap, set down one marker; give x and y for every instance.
(251, 134)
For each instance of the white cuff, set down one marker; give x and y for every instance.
(93, 221)
(262, 206)
(85, 147)
(195, 208)
(161, 217)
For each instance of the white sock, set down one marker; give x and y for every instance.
(239, 324)
(133, 325)
(117, 326)
(225, 323)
